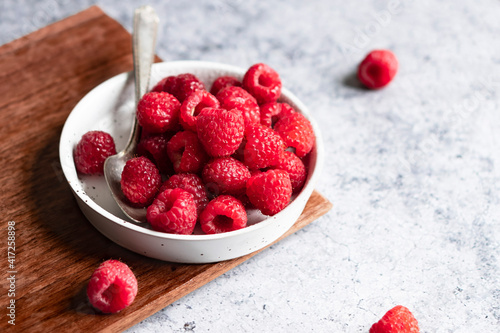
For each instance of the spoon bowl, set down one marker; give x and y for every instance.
(143, 47)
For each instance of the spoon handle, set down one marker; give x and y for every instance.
(143, 50)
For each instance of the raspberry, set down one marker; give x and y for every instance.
(173, 211)
(154, 147)
(272, 112)
(158, 112)
(228, 174)
(181, 86)
(192, 106)
(190, 183)
(239, 99)
(397, 320)
(297, 132)
(270, 191)
(112, 287)
(378, 69)
(186, 152)
(263, 83)
(224, 213)
(223, 82)
(140, 181)
(91, 152)
(263, 148)
(295, 168)
(220, 131)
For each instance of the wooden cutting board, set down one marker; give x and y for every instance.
(43, 75)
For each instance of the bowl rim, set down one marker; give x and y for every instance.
(69, 168)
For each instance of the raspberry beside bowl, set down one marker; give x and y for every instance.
(110, 107)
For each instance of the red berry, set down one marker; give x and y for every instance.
(263, 83)
(181, 86)
(112, 287)
(190, 183)
(228, 174)
(297, 132)
(224, 213)
(239, 99)
(91, 152)
(220, 131)
(397, 320)
(263, 148)
(295, 168)
(154, 147)
(173, 211)
(378, 69)
(158, 112)
(270, 191)
(140, 181)
(272, 112)
(186, 152)
(192, 106)
(223, 82)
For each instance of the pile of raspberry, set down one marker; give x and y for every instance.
(207, 156)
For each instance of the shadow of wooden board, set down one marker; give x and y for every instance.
(44, 75)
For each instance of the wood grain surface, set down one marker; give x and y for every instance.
(43, 75)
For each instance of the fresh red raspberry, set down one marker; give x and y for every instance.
(397, 320)
(140, 181)
(297, 132)
(222, 82)
(181, 86)
(220, 131)
(186, 152)
(173, 211)
(295, 168)
(237, 98)
(263, 148)
(272, 112)
(378, 69)
(263, 83)
(112, 287)
(154, 147)
(158, 112)
(190, 183)
(224, 213)
(228, 174)
(91, 152)
(192, 106)
(270, 191)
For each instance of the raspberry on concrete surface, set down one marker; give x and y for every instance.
(397, 320)
(378, 69)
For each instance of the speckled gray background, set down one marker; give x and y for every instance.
(412, 170)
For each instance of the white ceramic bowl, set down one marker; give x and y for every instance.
(110, 107)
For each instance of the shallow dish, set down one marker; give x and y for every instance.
(110, 107)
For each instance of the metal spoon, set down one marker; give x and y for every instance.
(143, 47)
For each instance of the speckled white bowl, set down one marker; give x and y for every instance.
(110, 107)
